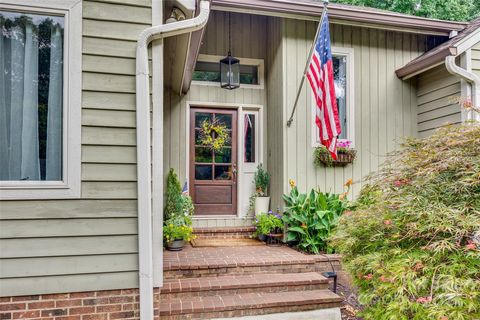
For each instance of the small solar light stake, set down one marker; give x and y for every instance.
(329, 275)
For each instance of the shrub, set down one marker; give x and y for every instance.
(311, 218)
(267, 223)
(173, 201)
(412, 243)
(262, 180)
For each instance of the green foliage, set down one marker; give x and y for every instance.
(460, 10)
(173, 232)
(267, 223)
(174, 203)
(262, 181)
(412, 243)
(311, 218)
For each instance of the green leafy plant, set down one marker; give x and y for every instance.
(267, 223)
(311, 217)
(172, 232)
(262, 181)
(412, 242)
(173, 201)
(213, 135)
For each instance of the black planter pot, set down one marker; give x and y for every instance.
(262, 237)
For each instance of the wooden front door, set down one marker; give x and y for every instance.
(213, 174)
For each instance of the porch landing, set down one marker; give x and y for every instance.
(226, 282)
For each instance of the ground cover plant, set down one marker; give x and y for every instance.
(412, 242)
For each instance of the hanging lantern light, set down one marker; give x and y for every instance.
(229, 66)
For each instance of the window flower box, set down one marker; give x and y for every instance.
(345, 155)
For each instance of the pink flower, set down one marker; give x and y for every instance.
(424, 299)
(387, 222)
(368, 276)
(471, 246)
(385, 279)
(348, 213)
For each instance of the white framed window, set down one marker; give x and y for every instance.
(207, 72)
(343, 69)
(40, 99)
(250, 149)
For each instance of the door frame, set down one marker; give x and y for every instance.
(241, 108)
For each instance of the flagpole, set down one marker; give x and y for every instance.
(324, 12)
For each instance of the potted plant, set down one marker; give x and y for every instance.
(260, 199)
(175, 235)
(268, 226)
(345, 154)
(178, 215)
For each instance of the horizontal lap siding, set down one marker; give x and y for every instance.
(436, 94)
(476, 59)
(49, 246)
(384, 105)
(248, 41)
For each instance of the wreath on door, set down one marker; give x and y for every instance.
(213, 135)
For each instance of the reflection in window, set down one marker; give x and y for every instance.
(340, 75)
(31, 96)
(249, 138)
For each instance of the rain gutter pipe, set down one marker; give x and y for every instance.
(144, 163)
(470, 78)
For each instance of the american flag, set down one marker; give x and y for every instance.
(321, 78)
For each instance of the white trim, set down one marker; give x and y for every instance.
(468, 42)
(157, 149)
(240, 107)
(349, 53)
(70, 187)
(259, 63)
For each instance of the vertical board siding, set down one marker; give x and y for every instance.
(436, 106)
(384, 105)
(50, 246)
(248, 41)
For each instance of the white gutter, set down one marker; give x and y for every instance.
(472, 79)
(144, 171)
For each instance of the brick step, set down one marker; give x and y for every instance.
(240, 284)
(247, 304)
(225, 232)
(198, 269)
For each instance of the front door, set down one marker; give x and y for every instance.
(213, 177)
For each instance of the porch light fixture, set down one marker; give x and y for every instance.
(230, 66)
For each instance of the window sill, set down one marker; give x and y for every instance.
(33, 190)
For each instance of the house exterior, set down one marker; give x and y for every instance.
(85, 215)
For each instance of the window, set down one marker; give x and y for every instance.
(343, 75)
(40, 99)
(207, 72)
(249, 138)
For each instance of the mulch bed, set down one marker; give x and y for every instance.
(351, 306)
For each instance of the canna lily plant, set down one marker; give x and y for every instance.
(311, 217)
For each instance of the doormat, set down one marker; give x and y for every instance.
(217, 242)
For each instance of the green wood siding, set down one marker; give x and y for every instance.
(384, 106)
(49, 246)
(436, 91)
(476, 59)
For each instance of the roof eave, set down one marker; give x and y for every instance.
(411, 70)
(338, 12)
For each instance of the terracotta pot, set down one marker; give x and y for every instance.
(175, 245)
(262, 204)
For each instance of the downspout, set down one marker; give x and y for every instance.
(144, 174)
(471, 79)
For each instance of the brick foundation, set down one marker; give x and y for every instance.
(92, 305)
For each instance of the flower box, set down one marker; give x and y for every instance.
(345, 155)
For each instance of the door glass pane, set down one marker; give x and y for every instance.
(225, 119)
(203, 154)
(203, 172)
(224, 155)
(223, 173)
(31, 98)
(249, 139)
(197, 137)
(202, 116)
